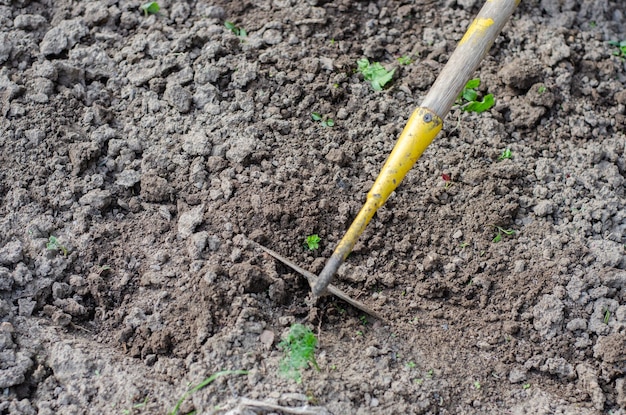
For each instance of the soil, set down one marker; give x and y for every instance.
(155, 148)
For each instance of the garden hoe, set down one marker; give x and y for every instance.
(420, 130)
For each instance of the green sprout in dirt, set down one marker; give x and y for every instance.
(299, 349)
(326, 122)
(237, 31)
(404, 60)
(477, 385)
(136, 406)
(468, 98)
(621, 45)
(607, 316)
(501, 231)
(53, 244)
(312, 242)
(506, 154)
(411, 364)
(541, 89)
(150, 8)
(526, 386)
(447, 180)
(202, 384)
(374, 73)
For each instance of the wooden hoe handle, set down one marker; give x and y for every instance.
(423, 125)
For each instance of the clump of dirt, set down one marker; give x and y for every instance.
(153, 146)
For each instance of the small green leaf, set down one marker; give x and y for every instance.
(329, 123)
(237, 31)
(150, 8)
(312, 242)
(404, 60)
(480, 106)
(472, 84)
(374, 73)
(470, 95)
(506, 154)
(498, 238)
(316, 116)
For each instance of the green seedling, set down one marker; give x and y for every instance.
(150, 8)
(464, 245)
(506, 154)
(237, 31)
(299, 349)
(204, 383)
(53, 244)
(405, 60)
(430, 373)
(526, 386)
(621, 45)
(374, 73)
(477, 385)
(359, 333)
(363, 319)
(447, 180)
(501, 231)
(326, 122)
(136, 406)
(312, 242)
(542, 89)
(607, 316)
(411, 365)
(418, 381)
(468, 98)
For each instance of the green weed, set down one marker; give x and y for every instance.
(299, 348)
(526, 386)
(506, 154)
(237, 31)
(607, 316)
(53, 244)
(326, 122)
(312, 242)
(468, 98)
(374, 73)
(204, 383)
(621, 45)
(477, 385)
(501, 231)
(135, 406)
(150, 8)
(405, 60)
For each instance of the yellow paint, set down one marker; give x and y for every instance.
(478, 28)
(419, 132)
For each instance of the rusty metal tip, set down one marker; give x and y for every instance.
(327, 275)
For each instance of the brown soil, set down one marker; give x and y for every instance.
(153, 147)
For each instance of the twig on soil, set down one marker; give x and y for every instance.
(266, 406)
(312, 278)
